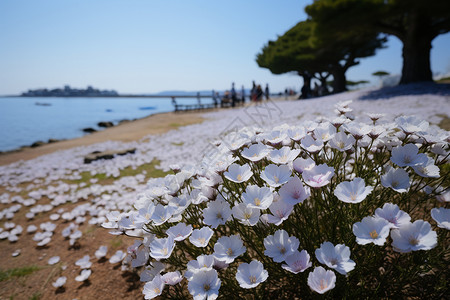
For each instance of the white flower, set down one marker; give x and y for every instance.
(408, 155)
(140, 258)
(293, 192)
(238, 174)
(227, 248)
(275, 137)
(358, 130)
(411, 124)
(318, 176)
(203, 262)
(84, 262)
(335, 257)
(296, 133)
(60, 282)
(162, 213)
(414, 236)
(374, 117)
(257, 197)
(200, 237)
(280, 210)
(283, 155)
(117, 257)
(371, 230)
(53, 260)
(442, 217)
(443, 195)
(162, 248)
(428, 169)
(251, 275)
(280, 245)
(353, 191)
(321, 280)
(342, 142)
(245, 214)
(297, 262)
(155, 268)
(153, 288)
(325, 132)
(204, 285)
(392, 213)
(172, 278)
(311, 145)
(255, 152)
(84, 275)
(101, 252)
(275, 175)
(217, 213)
(396, 179)
(301, 164)
(180, 231)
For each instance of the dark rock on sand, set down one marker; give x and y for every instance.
(89, 130)
(96, 155)
(105, 124)
(37, 144)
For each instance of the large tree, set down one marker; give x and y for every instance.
(309, 52)
(415, 22)
(292, 52)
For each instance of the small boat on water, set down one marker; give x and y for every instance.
(42, 104)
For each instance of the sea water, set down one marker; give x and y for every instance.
(25, 120)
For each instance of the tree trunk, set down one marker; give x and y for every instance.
(306, 89)
(416, 51)
(339, 80)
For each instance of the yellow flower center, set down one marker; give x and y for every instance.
(252, 279)
(373, 234)
(202, 240)
(206, 287)
(276, 179)
(239, 177)
(247, 216)
(156, 290)
(323, 284)
(414, 241)
(165, 250)
(229, 252)
(257, 201)
(352, 196)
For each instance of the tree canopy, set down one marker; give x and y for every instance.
(308, 51)
(415, 22)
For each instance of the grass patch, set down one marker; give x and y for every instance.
(445, 122)
(175, 125)
(444, 80)
(36, 296)
(18, 272)
(150, 169)
(116, 242)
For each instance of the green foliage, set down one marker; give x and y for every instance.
(380, 73)
(415, 22)
(18, 272)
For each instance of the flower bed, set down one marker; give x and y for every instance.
(337, 207)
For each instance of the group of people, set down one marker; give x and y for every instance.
(233, 97)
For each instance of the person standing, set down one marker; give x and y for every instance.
(266, 92)
(243, 95)
(233, 95)
(259, 93)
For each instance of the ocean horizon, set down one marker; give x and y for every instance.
(25, 120)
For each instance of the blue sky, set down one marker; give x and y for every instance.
(148, 46)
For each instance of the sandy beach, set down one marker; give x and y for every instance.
(125, 132)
